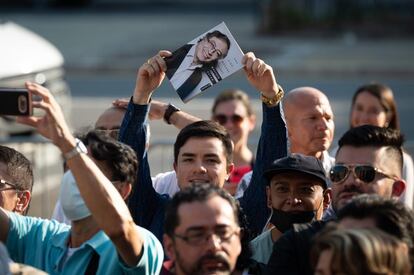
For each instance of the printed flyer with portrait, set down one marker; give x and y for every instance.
(203, 62)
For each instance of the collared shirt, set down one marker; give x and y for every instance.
(43, 244)
(185, 70)
(262, 247)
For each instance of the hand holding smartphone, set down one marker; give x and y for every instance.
(15, 102)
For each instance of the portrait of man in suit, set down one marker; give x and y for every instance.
(186, 66)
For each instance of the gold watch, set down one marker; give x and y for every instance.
(274, 100)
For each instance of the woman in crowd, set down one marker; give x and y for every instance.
(359, 251)
(233, 110)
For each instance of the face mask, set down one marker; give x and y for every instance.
(73, 205)
(284, 221)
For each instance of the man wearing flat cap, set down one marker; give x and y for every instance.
(297, 193)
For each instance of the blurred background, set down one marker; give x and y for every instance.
(333, 45)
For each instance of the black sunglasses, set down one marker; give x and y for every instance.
(363, 172)
(222, 119)
(3, 185)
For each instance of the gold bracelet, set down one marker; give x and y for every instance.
(274, 100)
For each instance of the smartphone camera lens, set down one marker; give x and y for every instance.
(22, 104)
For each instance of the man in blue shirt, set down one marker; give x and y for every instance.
(104, 238)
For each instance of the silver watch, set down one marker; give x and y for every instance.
(80, 148)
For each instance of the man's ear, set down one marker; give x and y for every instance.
(269, 197)
(125, 189)
(398, 187)
(23, 200)
(230, 169)
(168, 243)
(327, 198)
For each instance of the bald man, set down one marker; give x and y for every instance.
(309, 121)
(310, 129)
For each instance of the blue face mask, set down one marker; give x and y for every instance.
(73, 205)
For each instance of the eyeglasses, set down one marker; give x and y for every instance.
(213, 47)
(3, 186)
(113, 133)
(222, 119)
(200, 237)
(365, 173)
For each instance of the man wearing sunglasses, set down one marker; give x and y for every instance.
(368, 161)
(16, 181)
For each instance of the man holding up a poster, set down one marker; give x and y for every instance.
(185, 66)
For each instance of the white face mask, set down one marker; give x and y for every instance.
(73, 205)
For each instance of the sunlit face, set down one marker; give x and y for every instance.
(310, 126)
(292, 192)
(345, 190)
(234, 117)
(202, 160)
(210, 49)
(367, 110)
(8, 195)
(212, 255)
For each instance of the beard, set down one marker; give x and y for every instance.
(351, 189)
(207, 264)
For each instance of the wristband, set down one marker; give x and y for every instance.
(274, 100)
(171, 109)
(78, 149)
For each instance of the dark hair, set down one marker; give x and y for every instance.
(204, 129)
(369, 135)
(212, 64)
(18, 166)
(233, 94)
(386, 98)
(389, 215)
(199, 192)
(221, 36)
(119, 158)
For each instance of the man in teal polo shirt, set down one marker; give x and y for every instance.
(103, 238)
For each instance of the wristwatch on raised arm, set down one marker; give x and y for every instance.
(80, 148)
(171, 109)
(274, 100)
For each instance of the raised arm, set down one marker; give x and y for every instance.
(103, 200)
(145, 204)
(179, 118)
(272, 144)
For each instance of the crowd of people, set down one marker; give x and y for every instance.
(291, 208)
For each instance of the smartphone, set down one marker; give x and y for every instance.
(15, 102)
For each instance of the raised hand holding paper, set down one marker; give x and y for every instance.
(203, 62)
